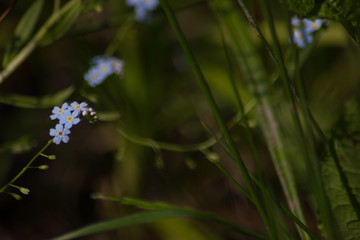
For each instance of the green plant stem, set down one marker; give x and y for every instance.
(247, 130)
(32, 44)
(28, 165)
(216, 112)
(293, 109)
(257, 29)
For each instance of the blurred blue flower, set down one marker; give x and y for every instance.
(301, 38)
(57, 112)
(303, 29)
(94, 76)
(60, 133)
(311, 26)
(117, 65)
(102, 67)
(143, 8)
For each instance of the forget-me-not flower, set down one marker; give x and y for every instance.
(94, 76)
(143, 8)
(303, 29)
(57, 112)
(69, 119)
(68, 116)
(60, 134)
(102, 67)
(78, 107)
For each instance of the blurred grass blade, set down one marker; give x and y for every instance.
(24, 101)
(64, 24)
(23, 30)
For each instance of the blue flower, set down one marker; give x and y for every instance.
(102, 67)
(68, 116)
(117, 65)
(301, 38)
(303, 29)
(60, 133)
(311, 26)
(78, 107)
(143, 8)
(57, 112)
(94, 76)
(69, 119)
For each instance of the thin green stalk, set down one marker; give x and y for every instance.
(257, 30)
(216, 112)
(248, 133)
(32, 44)
(294, 112)
(28, 165)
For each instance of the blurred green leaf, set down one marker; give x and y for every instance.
(345, 12)
(27, 23)
(61, 27)
(23, 30)
(46, 101)
(341, 174)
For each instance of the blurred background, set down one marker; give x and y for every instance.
(158, 98)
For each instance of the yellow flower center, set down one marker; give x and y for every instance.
(60, 111)
(70, 118)
(103, 69)
(94, 76)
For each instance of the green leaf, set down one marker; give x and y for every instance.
(64, 24)
(345, 12)
(27, 23)
(341, 173)
(46, 101)
(23, 30)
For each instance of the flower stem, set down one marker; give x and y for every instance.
(28, 165)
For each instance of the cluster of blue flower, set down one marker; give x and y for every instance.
(303, 29)
(143, 8)
(68, 115)
(102, 67)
